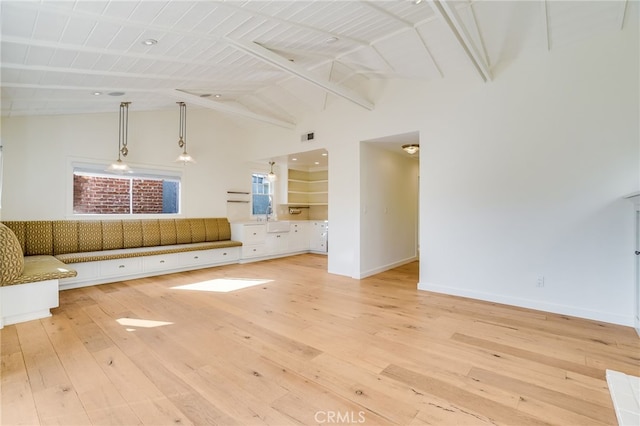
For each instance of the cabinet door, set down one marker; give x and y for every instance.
(299, 237)
(277, 243)
(318, 238)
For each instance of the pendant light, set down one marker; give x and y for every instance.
(182, 136)
(271, 176)
(123, 135)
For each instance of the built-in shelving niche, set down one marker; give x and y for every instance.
(307, 188)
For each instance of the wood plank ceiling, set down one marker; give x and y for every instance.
(272, 61)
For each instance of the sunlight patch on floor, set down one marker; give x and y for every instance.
(140, 323)
(223, 285)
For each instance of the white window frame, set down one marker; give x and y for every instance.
(271, 194)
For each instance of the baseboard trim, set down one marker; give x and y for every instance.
(531, 304)
(365, 274)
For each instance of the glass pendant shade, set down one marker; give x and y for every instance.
(119, 167)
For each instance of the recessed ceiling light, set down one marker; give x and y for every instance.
(116, 93)
(417, 1)
(324, 154)
(411, 148)
(218, 95)
(97, 93)
(294, 159)
(149, 42)
(316, 162)
(331, 40)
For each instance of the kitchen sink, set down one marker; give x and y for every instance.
(278, 226)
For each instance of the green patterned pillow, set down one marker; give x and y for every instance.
(11, 257)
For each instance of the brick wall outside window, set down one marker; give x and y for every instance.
(106, 195)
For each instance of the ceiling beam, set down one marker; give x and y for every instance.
(269, 57)
(448, 14)
(407, 25)
(226, 108)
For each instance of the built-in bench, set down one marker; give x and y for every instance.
(37, 258)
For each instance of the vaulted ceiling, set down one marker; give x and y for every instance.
(272, 61)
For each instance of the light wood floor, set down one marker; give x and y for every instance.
(306, 347)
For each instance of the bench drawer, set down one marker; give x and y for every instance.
(228, 254)
(121, 266)
(159, 262)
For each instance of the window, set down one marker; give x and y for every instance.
(261, 194)
(136, 193)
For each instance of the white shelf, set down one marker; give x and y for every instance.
(304, 204)
(307, 188)
(309, 181)
(308, 192)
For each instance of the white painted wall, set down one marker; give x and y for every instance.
(525, 178)
(38, 151)
(388, 209)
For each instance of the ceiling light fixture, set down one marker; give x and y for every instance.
(331, 40)
(271, 175)
(123, 139)
(149, 42)
(96, 93)
(182, 136)
(411, 148)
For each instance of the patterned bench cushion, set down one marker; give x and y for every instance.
(42, 268)
(11, 258)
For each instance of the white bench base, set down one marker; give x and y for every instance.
(26, 302)
(109, 271)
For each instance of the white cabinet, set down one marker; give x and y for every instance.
(299, 237)
(253, 237)
(254, 251)
(258, 242)
(277, 243)
(318, 237)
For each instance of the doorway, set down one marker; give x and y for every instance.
(389, 203)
